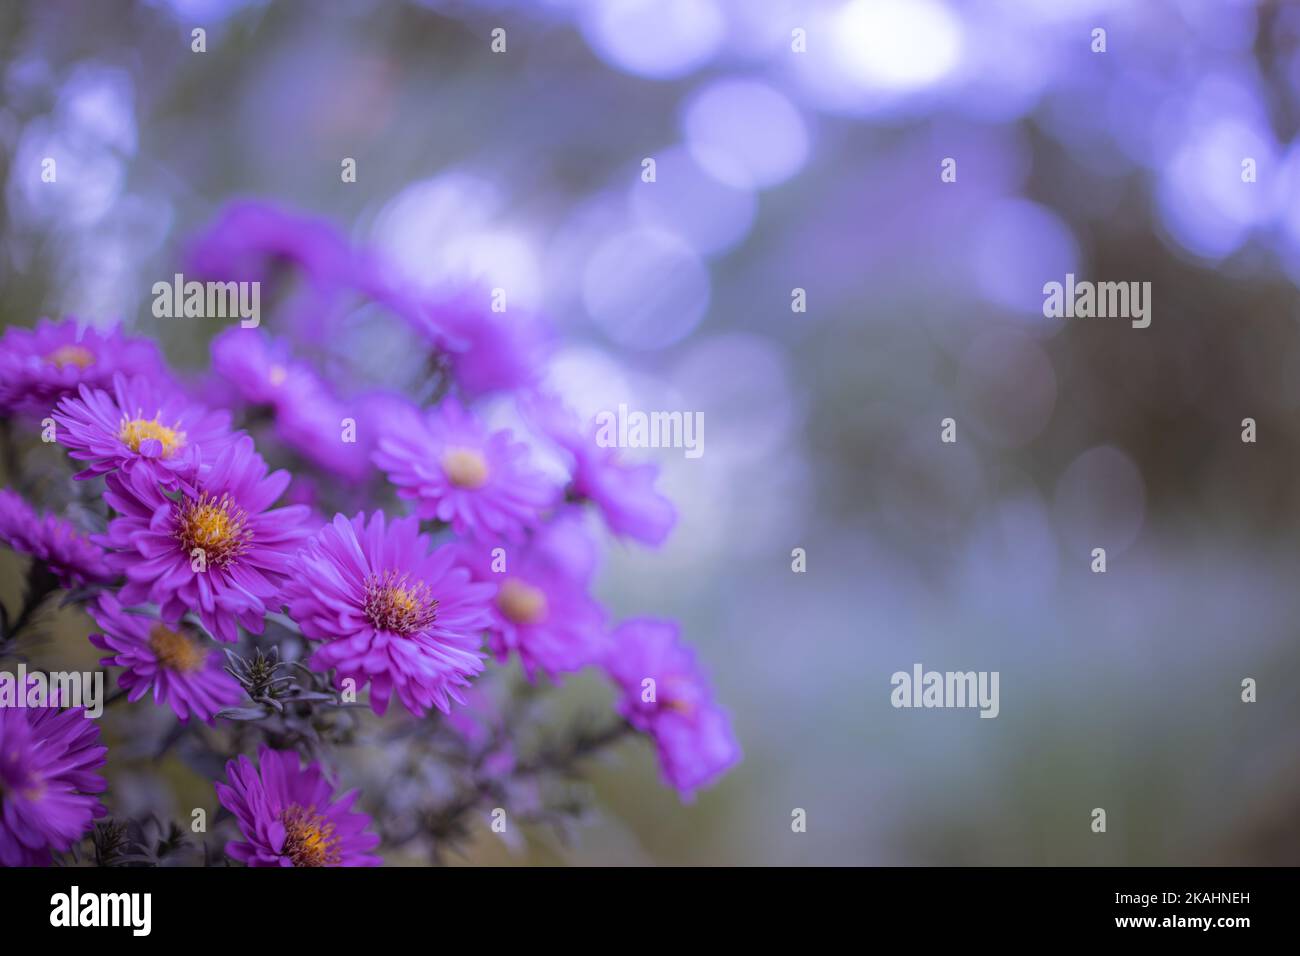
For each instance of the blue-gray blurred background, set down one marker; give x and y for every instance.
(778, 169)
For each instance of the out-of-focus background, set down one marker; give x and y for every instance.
(799, 145)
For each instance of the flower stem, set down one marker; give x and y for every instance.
(565, 757)
(40, 585)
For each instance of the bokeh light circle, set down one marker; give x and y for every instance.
(645, 289)
(1101, 501)
(660, 39)
(710, 215)
(745, 133)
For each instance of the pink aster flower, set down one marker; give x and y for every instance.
(624, 494)
(69, 554)
(665, 695)
(289, 815)
(142, 424)
(217, 548)
(47, 782)
(542, 610)
(41, 365)
(389, 611)
(459, 473)
(184, 672)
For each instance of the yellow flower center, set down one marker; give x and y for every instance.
(77, 355)
(176, 651)
(465, 468)
(522, 603)
(134, 431)
(396, 603)
(309, 840)
(218, 527)
(677, 697)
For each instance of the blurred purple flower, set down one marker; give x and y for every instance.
(216, 549)
(41, 365)
(542, 610)
(389, 611)
(47, 762)
(251, 239)
(308, 416)
(289, 816)
(183, 673)
(666, 695)
(313, 426)
(261, 369)
(70, 555)
(487, 351)
(624, 494)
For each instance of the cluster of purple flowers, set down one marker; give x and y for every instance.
(204, 538)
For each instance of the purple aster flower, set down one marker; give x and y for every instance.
(41, 365)
(314, 428)
(308, 417)
(258, 242)
(459, 473)
(251, 239)
(184, 673)
(142, 424)
(70, 555)
(542, 610)
(261, 369)
(217, 548)
(47, 783)
(691, 732)
(487, 351)
(624, 494)
(317, 433)
(389, 611)
(289, 816)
